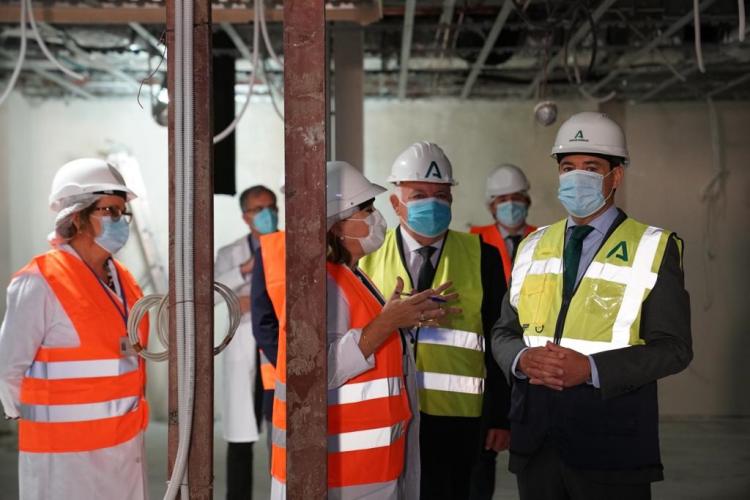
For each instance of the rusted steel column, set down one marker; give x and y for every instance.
(172, 422)
(305, 108)
(200, 465)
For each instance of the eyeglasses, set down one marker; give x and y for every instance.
(115, 213)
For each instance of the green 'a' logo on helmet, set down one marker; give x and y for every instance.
(579, 137)
(620, 251)
(433, 171)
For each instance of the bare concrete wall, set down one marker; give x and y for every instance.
(672, 165)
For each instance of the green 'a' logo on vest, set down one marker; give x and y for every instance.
(620, 251)
(433, 171)
(579, 137)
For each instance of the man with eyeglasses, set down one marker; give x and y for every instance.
(244, 383)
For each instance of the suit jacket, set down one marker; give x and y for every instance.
(612, 431)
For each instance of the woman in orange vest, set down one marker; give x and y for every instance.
(508, 201)
(373, 433)
(67, 371)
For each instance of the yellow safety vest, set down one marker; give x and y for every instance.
(450, 358)
(604, 311)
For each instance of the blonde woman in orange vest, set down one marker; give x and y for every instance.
(67, 371)
(373, 430)
(508, 201)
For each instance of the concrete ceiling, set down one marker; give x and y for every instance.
(632, 50)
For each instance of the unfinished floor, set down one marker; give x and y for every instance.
(705, 459)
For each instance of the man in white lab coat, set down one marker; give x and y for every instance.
(242, 390)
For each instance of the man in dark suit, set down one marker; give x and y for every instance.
(596, 313)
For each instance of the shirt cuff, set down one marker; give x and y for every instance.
(517, 373)
(594, 380)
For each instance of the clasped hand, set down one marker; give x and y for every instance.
(554, 366)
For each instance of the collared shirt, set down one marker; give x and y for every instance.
(413, 258)
(508, 238)
(593, 240)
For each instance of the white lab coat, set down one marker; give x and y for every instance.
(34, 318)
(239, 363)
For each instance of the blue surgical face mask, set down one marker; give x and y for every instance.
(429, 217)
(511, 213)
(581, 192)
(114, 234)
(266, 221)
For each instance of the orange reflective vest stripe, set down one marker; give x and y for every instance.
(273, 248)
(91, 396)
(491, 235)
(267, 371)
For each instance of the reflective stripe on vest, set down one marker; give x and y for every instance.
(450, 358)
(365, 391)
(79, 412)
(604, 309)
(90, 396)
(450, 383)
(453, 338)
(365, 439)
(58, 370)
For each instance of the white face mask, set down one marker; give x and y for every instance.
(376, 236)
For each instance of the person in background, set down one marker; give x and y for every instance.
(68, 372)
(596, 313)
(463, 402)
(508, 201)
(245, 385)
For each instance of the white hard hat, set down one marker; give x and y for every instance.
(346, 189)
(422, 162)
(506, 179)
(591, 132)
(86, 176)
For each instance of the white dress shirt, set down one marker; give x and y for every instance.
(413, 258)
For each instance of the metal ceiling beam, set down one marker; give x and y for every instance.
(146, 35)
(59, 14)
(666, 84)
(730, 85)
(627, 59)
(406, 47)
(574, 40)
(489, 44)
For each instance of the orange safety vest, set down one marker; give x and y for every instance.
(273, 248)
(491, 235)
(91, 396)
(367, 416)
(267, 371)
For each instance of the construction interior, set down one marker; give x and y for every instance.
(195, 100)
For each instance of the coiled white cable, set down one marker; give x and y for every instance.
(161, 303)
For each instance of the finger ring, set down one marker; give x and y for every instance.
(421, 317)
